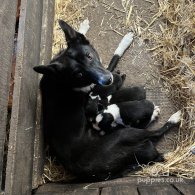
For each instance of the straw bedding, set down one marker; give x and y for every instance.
(171, 33)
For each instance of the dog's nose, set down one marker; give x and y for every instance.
(109, 81)
(106, 80)
(103, 76)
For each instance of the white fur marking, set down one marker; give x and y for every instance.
(175, 118)
(124, 44)
(84, 27)
(98, 118)
(155, 114)
(120, 122)
(114, 110)
(109, 98)
(95, 126)
(94, 96)
(113, 124)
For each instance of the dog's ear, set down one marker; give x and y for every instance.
(71, 34)
(48, 69)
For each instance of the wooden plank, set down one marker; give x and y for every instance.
(21, 140)
(45, 57)
(139, 181)
(157, 190)
(120, 190)
(188, 189)
(125, 181)
(7, 30)
(59, 191)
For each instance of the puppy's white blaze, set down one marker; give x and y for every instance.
(84, 27)
(175, 118)
(124, 44)
(109, 98)
(114, 110)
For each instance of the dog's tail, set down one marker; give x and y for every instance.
(123, 45)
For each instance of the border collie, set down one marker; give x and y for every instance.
(65, 85)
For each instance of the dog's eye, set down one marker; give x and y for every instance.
(89, 56)
(79, 75)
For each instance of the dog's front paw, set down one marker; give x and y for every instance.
(84, 27)
(156, 113)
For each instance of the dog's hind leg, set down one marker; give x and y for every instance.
(112, 154)
(148, 153)
(172, 122)
(123, 45)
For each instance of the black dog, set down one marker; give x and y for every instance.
(63, 86)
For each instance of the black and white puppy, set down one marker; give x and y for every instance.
(128, 94)
(138, 114)
(97, 103)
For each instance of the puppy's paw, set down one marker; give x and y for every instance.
(84, 27)
(155, 114)
(175, 118)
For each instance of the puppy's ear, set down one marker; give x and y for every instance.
(71, 34)
(49, 69)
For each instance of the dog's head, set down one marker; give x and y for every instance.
(79, 65)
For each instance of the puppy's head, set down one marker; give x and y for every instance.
(91, 108)
(104, 121)
(79, 63)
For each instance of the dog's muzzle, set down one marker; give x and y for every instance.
(105, 79)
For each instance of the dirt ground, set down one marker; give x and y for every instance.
(137, 63)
